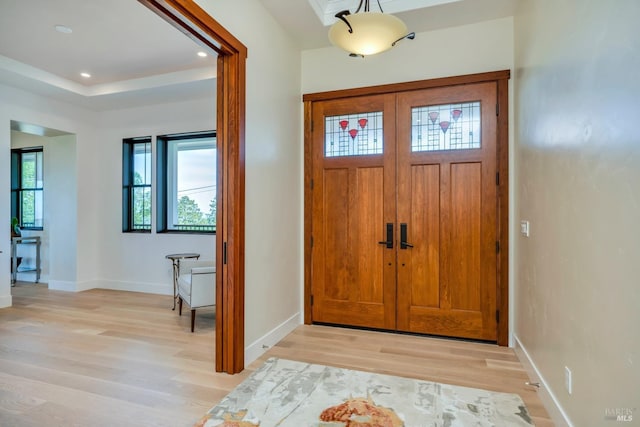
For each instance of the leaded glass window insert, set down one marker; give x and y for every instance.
(446, 127)
(354, 135)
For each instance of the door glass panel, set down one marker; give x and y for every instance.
(445, 127)
(353, 135)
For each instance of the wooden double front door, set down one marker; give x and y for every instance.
(404, 211)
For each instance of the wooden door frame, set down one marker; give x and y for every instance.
(501, 78)
(194, 22)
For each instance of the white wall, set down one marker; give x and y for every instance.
(136, 261)
(578, 148)
(273, 250)
(5, 207)
(61, 201)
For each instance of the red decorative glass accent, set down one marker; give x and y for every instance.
(358, 134)
(453, 127)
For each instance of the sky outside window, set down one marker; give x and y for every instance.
(197, 173)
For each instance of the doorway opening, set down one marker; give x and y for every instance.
(189, 18)
(44, 179)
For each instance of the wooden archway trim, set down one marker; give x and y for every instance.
(193, 21)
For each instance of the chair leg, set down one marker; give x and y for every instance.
(193, 319)
(179, 306)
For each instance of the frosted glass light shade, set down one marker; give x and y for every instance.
(373, 32)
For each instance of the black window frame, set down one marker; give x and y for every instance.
(17, 189)
(129, 186)
(162, 181)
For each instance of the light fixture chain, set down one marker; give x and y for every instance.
(380, 6)
(366, 6)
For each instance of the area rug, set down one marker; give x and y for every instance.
(295, 394)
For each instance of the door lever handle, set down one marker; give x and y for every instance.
(403, 237)
(389, 241)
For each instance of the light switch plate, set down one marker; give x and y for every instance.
(524, 228)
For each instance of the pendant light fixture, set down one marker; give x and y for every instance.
(367, 33)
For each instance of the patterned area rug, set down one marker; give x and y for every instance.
(295, 394)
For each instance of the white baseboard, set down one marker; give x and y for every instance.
(148, 288)
(63, 285)
(85, 286)
(5, 301)
(257, 348)
(549, 400)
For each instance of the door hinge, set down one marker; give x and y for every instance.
(311, 299)
(224, 253)
(497, 109)
(497, 178)
(497, 247)
(311, 241)
(498, 316)
(311, 125)
(311, 184)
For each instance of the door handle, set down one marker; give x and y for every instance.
(403, 237)
(389, 241)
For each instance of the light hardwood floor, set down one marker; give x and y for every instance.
(110, 358)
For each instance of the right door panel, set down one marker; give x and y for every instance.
(446, 203)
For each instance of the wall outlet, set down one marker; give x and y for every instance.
(568, 382)
(524, 228)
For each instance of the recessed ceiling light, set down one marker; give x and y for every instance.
(63, 29)
(202, 54)
(85, 75)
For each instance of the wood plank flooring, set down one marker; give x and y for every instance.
(111, 358)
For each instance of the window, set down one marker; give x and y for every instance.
(445, 127)
(136, 184)
(187, 182)
(354, 135)
(27, 187)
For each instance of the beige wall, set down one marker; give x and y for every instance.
(578, 172)
(273, 242)
(476, 48)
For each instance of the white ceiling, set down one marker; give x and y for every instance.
(305, 19)
(135, 57)
(327, 9)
